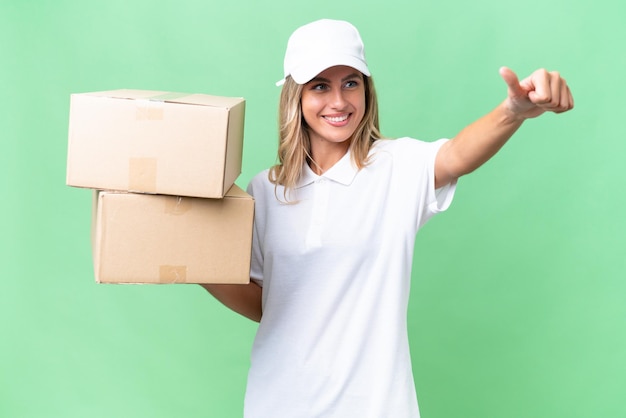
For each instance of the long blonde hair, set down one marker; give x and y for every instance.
(294, 146)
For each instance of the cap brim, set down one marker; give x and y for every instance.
(308, 71)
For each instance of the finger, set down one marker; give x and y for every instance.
(541, 92)
(512, 82)
(556, 87)
(567, 100)
(564, 98)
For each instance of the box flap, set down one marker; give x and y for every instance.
(236, 192)
(170, 97)
(126, 94)
(207, 100)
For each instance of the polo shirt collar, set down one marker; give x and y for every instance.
(343, 172)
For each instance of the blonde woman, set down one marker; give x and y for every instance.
(335, 226)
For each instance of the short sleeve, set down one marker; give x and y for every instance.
(255, 189)
(414, 176)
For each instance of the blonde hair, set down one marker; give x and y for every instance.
(294, 146)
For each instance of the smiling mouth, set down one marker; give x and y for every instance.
(337, 119)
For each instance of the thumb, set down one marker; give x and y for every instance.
(511, 80)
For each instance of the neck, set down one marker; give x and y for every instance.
(324, 155)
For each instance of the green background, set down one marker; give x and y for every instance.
(518, 306)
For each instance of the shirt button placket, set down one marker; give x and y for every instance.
(319, 212)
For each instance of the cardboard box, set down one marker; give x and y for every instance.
(155, 142)
(143, 238)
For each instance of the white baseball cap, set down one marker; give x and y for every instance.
(322, 44)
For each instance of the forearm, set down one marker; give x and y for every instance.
(541, 92)
(476, 144)
(245, 299)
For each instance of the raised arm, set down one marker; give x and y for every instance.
(245, 299)
(541, 92)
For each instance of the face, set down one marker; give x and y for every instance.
(333, 104)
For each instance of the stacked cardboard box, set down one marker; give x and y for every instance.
(162, 166)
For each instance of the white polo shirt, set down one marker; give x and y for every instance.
(336, 269)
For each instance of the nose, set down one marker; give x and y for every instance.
(338, 100)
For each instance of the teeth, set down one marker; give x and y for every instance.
(337, 118)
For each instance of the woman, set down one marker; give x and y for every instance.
(335, 225)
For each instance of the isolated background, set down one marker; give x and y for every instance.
(518, 304)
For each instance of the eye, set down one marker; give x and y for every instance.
(351, 84)
(319, 86)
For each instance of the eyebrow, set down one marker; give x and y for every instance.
(325, 80)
